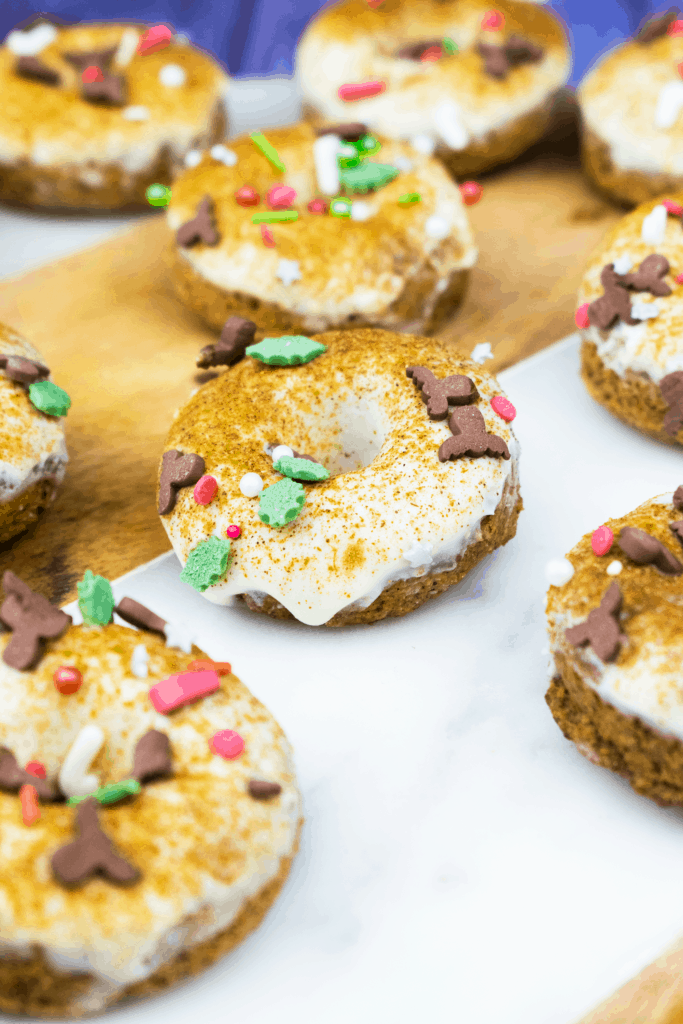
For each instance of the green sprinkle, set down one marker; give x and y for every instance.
(49, 398)
(269, 152)
(281, 502)
(111, 793)
(367, 177)
(206, 563)
(95, 599)
(158, 195)
(448, 46)
(348, 156)
(289, 350)
(300, 469)
(274, 216)
(368, 145)
(409, 197)
(340, 207)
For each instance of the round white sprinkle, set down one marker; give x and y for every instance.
(614, 568)
(361, 211)
(654, 225)
(225, 155)
(559, 571)
(127, 47)
(172, 75)
(139, 662)
(251, 484)
(481, 352)
(28, 44)
(181, 39)
(449, 125)
(325, 151)
(644, 310)
(437, 227)
(73, 780)
(669, 103)
(192, 158)
(283, 451)
(404, 164)
(424, 144)
(135, 113)
(178, 636)
(623, 264)
(289, 271)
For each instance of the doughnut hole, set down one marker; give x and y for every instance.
(345, 437)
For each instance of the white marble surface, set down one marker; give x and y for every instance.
(460, 861)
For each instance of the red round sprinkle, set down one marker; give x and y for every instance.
(281, 197)
(675, 209)
(317, 205)
(205, 489)
(92, 74)
(493, 20)
(246, 196)
(360, 90)
(67, 679)
(581, 318)
(504, 408)
(679, 279)
(227, 743)
(602, 540)
(267, 236)
(36, 768)
(30, 809)
(233, 531)
(679, 68)
(675, 28)
(432, 53)
(155, 38)
(471, 192)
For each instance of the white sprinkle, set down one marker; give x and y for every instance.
(192, 158)
(654, 225)
(288, 271)
(172, 76)
(559, 571)
(449, 125)
(424, 144)
(178, 636)
(181, 39)
(283, 451)
(325, 151)
(139, 662)
(614, 568)
(28, 44)
(644, 310)
(404, 164)
(251, 484)
(623, 264)
(127, 47)
(481, 352)
(437, 227)
(225, 155)
(135, 113)
(419, 554)
(668, 106)
(73, 780)
(362, 211)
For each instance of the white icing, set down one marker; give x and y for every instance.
(614, 568)
(437, 227)
(288, 271)
(361, 211)
(669, 104)
(559, 571)
(136, 113)
(178, 636)
(127, 47)
(192, 158)
(325, 151)
(73, 777)
(419, 554)
(32, 42)
(642, 310)
(139, 662)
(653, 230)
(251, 484)
(225, 155)
(448, 122)
(623, 264)
(172, 76)
(481, 352)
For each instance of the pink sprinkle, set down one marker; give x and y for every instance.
(504, 408)
(675, 209)
(267, 236)
(679, 279)
(155, 38)
(675, 28)
(360, 90)
(92, 74)
(471, 192)
(247, 196)
(205, 489)
(432, 53)
(36, 768)
(317, 205)
(679, 68)
(30, 809)
(227, 743)
(602, 540)
(492, 21)
(581, 318)
(281, 197)
(233, 531)
(181, 689)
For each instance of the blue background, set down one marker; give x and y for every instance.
(258, 37)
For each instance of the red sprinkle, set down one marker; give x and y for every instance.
(504, 408)
(360, 90)
(471, 192)
(581, 318)
(267, 236)
(679, 279)
(67, 679)
(675, 28)
(223, 668)
(493, 20)
(317, 205)
(375, 3)
(30, 811)
(281, 197)
(181, 689)
(36, 768)
(92, 74)
(602, 540)
(233, 531)
(156, 38)
(227, 743)
(246, 196)
(675, 209)
(205, 489)
(432, 53)
(679, 68)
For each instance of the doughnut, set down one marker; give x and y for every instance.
(33, 453)
(145, 110)
(149, 810)
(631, 317)
(338, 479)
(615, 623)
(631, 109)
(394, 255)
(474, 85)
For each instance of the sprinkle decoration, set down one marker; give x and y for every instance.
(431, 54)
(492, 21)
(67, 679)
(21, 370)
(602, 540)
(340, 207)
(49, 398)
(269, 152)
(152, 758)
(280, 197)
(227, 743)
(409, 197)
(111, 793)
(581, 317)
(205, 490)
(30, 810)
(274, 217)
(644, 549)
(470, 437)
(92, 74)
(675, 28)
(73, 777)
(449, 46)
(367, 177)
(207, 563)
(601, 628)
(36, 768)
(288, 271)
(679, 279)
(12, 777)
(32, 620)
(300, 469)
(438, 394)
(33, 67)
(158, 195)
(671, 388)
(471, 192)
(504, 408)
(233, 531)
(175, 691)
(280, 503)
(360, 90)
(614, 568)
(95, 599)
(317, 205)
(246, 196)
(178, 470)
(140, 616)
(223, 668)
(262, 790)
(237, 333)
(201, 227)
(289, 350)
(267, 236)
(156, 38)
(672, 208)
(250, 485)
(93, 852)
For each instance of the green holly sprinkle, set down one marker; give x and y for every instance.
(206, 563)
(281, 502)
(289, 350)
(49, 398)
(111, 793)
(95, 599)
(448, 45)
(367, 177)
(340, 208)
(409, 197)
(300, 469)
(158, 195)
